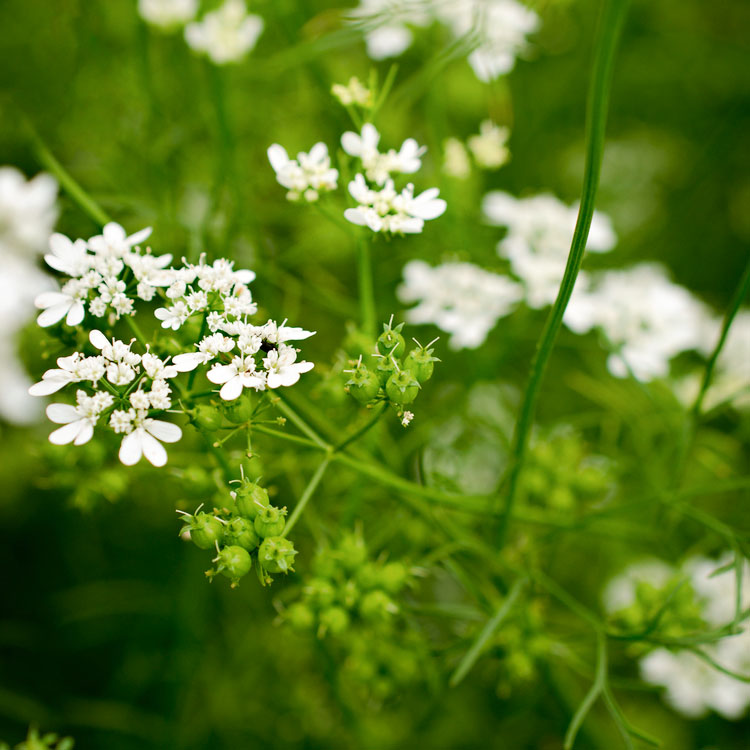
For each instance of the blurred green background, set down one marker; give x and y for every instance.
(108, 630)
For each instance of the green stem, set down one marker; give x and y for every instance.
(87, 204)
(306, 495)
(301, 425)
(368, 315)
(362, 430)
(597, 688)
(608, 33)
(487, 631)
(135, 328)
(734, 306)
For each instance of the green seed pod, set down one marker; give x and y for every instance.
(368, 576)
(320, 592)
(240, 531)
(363, 384)
(233, 562)
(251, 498)
(402, 387)
(421, 363)
(270, 521)
(205, 530)
(384, 369)
(391, 342)
(334, 619)
(349, 594)
(356, 342)
(300, 617)
(377, 606)
(393, 577)
(352, 552)
(240, 410)
(207, 417)
(276, 554)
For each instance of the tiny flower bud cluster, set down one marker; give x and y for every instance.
(306, 176)
(251, 531)
(225, 35)
(354, 93)
(393, 376)
(118, 378)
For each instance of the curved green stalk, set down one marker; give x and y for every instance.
(608, 34)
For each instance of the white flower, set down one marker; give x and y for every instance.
(278, 334)
(386, 210)
(68, 257)
(173, 317)
(489, 147)
(620, 592)
(456, 159)
(379, 166)
(385, 24)
(72, 369)
(645, 317)
(239, 374)
(59, 305)
(167, 14)
(209, 348)
(460, 298)
(225, 35)
(143, 440)
(78, 420)
(307, 175)
(28, 212)
(283, 369)
(406, 418)
(353, 93)
(113, 242)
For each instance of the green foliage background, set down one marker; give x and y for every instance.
(108, 629)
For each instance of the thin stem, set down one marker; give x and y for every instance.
(734, 306)
(300, 423)
(362, 430)
(135, 328)
(487, 631)
(596, 689)
(368, 316)
(608, 33)
(306, 495)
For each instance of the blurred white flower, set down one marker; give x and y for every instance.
(307, 175)
(225, 35)
(386, 24)
(386, 210)
(353, 93)
(540, 230)
(646, 318)
(167, 14)
(489, 147)
(456, 159)
(460, 298)
(621, 592)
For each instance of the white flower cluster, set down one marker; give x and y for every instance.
(644, 316)
(460, 298)
(382, 208)
(126, 387)
(247, 355)
(496, 30)
(306, 176)
(107, 273)
(28, 211)
(692, 686)
(540, 229)
(225, 35)
(167, 14)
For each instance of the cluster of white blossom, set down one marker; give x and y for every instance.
(28, 212)
(380, 206)
(537, 243)
(306, 176)
(167, 14)
(495, 30)
(126, 387)
(225, 35)
(106, 274)
(645, 317)
(488, 147)
(460, 298)
(692, 686)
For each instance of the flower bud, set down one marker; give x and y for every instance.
(402, 387)
(270, 521)
(240, 531)
(250, 498)
(276, 554)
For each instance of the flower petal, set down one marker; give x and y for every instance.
(62, 413)
(153, 450)
(131, 449)
(221, 373)
(232, 389)
(52, 315)
(66, 434)
(85, 432)
(165, 431)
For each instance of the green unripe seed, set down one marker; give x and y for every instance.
(391, 342)
(352, 552)
(363, 384)
(270, 521)
(251, 498)
(349, 594)
(377, 606)
(239, 410)
(402, 387)
(335, 619)
(368, 576)
(205, 531)
(300, 617)
(234, 562)
(320, 592)
(384, 369)
(393, 577)
(208, 417)
(276, 554)
(240, 531)
(420, 363)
